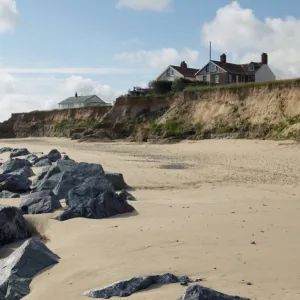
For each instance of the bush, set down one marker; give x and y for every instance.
(173, 126)
(182, 83)
(160, 87)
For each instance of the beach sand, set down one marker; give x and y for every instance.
(199, 207)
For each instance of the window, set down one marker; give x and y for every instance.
(230, 78)
(207, 68)
(213, 68)
(170, 72)
(204, 78)
(251, 67)
(217, 79)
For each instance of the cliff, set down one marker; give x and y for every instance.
(56, 122)
(242, 111)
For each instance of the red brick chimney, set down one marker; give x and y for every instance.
(264, 58)
(183, 65)
(223, 58)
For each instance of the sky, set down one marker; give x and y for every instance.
(51, 49)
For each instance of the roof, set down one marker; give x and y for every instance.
(237, 68)
(186, 72)
(81, 99)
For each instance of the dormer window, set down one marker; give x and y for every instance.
(251, 67)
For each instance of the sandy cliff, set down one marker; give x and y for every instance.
(250, 112)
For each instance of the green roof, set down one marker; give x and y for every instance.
(81, 99)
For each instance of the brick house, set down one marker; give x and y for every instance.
(172, 73)
(222, 72)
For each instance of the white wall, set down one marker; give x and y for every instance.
(164, 76)
(200, 77)
(264, 74)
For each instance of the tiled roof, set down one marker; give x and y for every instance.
(81, 99)
(186, 72)
(237, 68)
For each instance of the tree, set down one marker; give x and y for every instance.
(160, 86)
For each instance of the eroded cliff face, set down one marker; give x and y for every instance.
(256, 112)
(55, 123)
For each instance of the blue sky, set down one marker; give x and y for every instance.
(51, 48)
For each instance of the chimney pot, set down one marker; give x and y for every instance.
(223, 58)
(76, 95)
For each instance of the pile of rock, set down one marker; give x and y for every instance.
(88, 190)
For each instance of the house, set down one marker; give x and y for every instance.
(172, 73)
(81, 101)
(222, 72)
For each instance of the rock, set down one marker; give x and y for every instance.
(40, 203)
(19, 152)
(76, 136)
(94, 199)
(5, 149)
(18, 270)
(49, 177)
(65, 157)
(7, 194)
(14, 164)
(198, 292)
(14, 183)
(77, 176)
(25, 171)
(32, 158)
(54, 155)
(43, 163)
(13, 226)
(117, 180)
(125, 196)
(128, 287)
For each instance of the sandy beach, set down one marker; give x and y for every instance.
(200, 206)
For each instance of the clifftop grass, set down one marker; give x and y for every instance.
(239, 86)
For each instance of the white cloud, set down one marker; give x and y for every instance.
(150, 5)
(8, 15)
(160, 59)
(43, 93)
(237, 31)
(98, 71)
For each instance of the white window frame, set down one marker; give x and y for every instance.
(217, 79)
(213, 68)
(204, 78)
(251, 67)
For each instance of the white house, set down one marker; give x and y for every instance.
(222, 72)
(172, 73)
(81, 101)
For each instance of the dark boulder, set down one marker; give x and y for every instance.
(125, 196)
(65, 157)
(19, 152)
(43, 162)
(7, 194)
(117, 180)
(54, 155)
(14, 183)
(94, 199)
(25, 171)
(18, 270)
(76, 136)
(32, 158)
(40, 203)
(49, 177)
(13, 226)
(198, 292)
(14, 164)
(77, 176)
(5, 149)
(126, 288)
